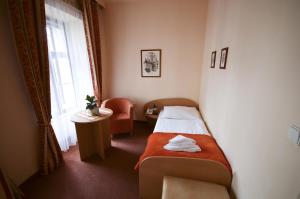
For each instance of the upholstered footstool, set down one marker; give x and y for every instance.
(181, 188)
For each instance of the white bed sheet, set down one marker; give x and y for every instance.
(195, 126)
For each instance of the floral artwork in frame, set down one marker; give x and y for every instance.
(151, 63)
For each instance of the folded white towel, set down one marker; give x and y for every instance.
(181, 139)
(187, 148)
(181, 143)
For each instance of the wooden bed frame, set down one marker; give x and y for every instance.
(160, 103)
(153, 169)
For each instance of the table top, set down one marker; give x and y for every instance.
(151, 116)
(83, 116)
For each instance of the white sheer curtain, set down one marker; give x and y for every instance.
(70, 77)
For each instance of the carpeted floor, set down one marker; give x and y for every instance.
(112, 178)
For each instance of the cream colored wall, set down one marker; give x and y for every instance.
(250, 106)
(18, 133)
(175, 26)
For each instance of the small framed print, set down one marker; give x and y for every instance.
(213, 59)
(151, 63)
(223, 59)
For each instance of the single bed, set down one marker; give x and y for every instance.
(153, 166)
(191, 126)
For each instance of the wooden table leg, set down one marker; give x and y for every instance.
(106, 133)
(93, 138)
(85, 140)
(99, 139)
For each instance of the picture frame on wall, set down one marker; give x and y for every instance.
(223, 59)
(151, 63)
(213, 59)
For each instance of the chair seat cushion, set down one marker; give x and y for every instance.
(120, 116)
(174, 187)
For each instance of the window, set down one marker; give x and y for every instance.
(70, 76)
(61, 72)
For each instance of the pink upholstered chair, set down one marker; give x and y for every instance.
(122, 119)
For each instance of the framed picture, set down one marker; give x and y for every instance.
(223, 59)
(213, 59)
(151, 63)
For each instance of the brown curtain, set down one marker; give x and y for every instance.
(29, 27)
(8, 189)
(92, 28)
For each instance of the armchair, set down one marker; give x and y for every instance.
(122, 119)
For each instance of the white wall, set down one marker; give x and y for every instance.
(175, 26)
(19, 138)
(249, 106)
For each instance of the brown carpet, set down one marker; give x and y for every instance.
(112, 178)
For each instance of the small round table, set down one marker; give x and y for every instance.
(92, 133)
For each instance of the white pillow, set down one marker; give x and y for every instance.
(180, 112)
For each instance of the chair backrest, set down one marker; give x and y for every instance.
(118, 105)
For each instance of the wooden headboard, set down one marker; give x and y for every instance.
(160, 103)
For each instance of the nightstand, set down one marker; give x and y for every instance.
(151, 119)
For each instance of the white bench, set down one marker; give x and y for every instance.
(181, 188)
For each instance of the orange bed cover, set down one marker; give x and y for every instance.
(209, 148)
